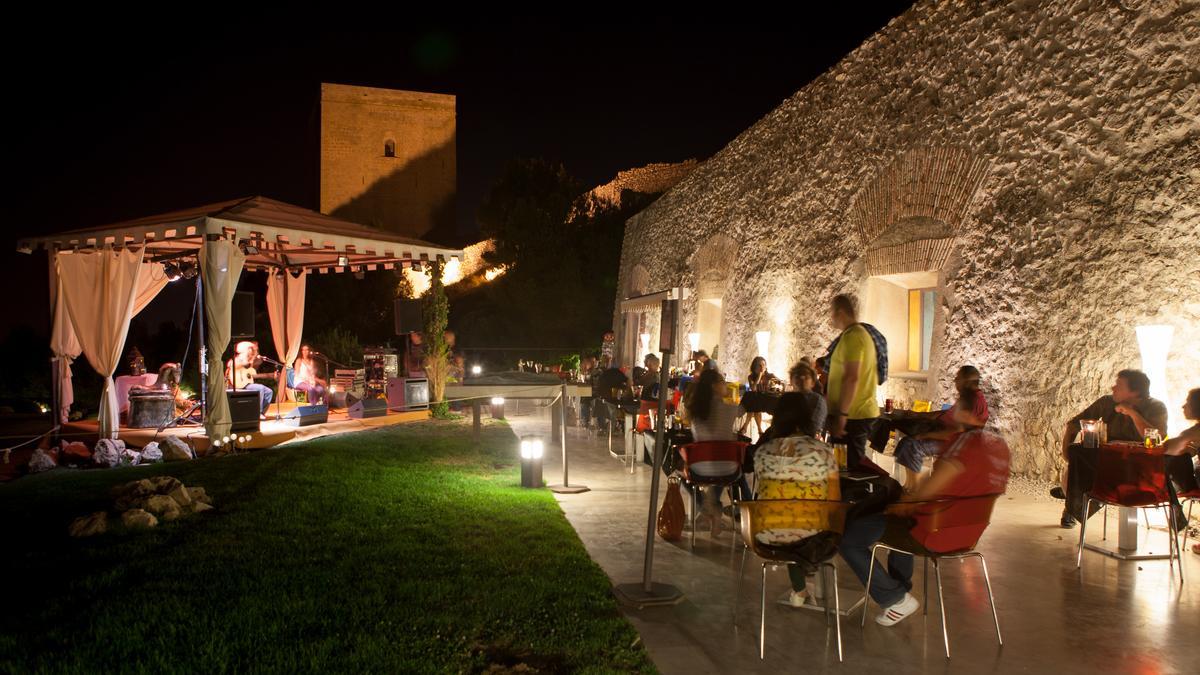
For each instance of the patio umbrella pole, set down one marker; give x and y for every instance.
(647, 593)
(566, 487)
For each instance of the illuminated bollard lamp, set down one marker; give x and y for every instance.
(531, 462)
(497, 407)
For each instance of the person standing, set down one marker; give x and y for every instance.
(853, 379)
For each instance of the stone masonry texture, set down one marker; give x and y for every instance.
(1041, 157)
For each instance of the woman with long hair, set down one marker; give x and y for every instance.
(305, 376)
(712, 419)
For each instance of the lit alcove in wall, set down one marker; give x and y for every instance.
(712, 265)
(709, 322)
(902, 306)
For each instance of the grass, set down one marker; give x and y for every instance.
(403, 549)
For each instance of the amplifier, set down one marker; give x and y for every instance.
(244, 408)
(305, 415)
(408, 393)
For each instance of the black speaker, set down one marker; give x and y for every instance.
(368, 407)
(241, 318)
(408, 316)
(244, 408)
(305, 415)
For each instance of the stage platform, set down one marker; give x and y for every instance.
(271, 432)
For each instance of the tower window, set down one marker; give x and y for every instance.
(389, 148)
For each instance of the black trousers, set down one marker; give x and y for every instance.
(855, 438)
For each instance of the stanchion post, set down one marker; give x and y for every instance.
(561, 419)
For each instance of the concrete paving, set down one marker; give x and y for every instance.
(1112, 616)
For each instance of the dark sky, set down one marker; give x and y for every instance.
(111, 125)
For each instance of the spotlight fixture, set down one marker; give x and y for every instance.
(248, 247)
(188, 269)
(343, 261)
(172, 271)
(417, 266)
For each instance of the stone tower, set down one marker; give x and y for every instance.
(388, 158)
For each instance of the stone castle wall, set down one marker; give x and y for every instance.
(1041, 158)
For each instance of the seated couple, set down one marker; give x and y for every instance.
(1127, 412)
(975, 463)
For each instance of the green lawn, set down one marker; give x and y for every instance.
(403, 549)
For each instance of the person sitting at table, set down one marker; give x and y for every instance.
(911, 451)
(800, 411)
(649, 380)
(305, 378)
(975, 463)
(1180, 449)
(792, 464)
(1127, 412)
(712, 419)
(757, 381)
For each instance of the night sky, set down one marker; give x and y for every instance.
(111, 125)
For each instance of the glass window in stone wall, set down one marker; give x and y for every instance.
(921, 303)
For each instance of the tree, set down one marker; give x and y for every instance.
(435, 310)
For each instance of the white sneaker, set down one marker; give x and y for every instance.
(899, 611)
(797, 598)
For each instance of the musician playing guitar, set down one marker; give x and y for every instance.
(242, 373)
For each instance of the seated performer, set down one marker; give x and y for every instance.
(242, 373)
(306, 379)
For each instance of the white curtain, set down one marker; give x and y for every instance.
(99, 290)
(285, 306)
(221, 263)
(151, 279)
(63, 345)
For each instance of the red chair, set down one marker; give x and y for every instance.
(729, 453)
(1134, 477)
(946, 529)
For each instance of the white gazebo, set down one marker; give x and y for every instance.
(101, 277)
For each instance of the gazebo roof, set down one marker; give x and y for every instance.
(285, 236)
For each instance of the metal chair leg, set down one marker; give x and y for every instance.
(1104, 523)
(737, 595)
(925, 585)
(837, 610)
(762, 616)
(991, 599)
(1087, 506)
(870, 575)
(937, 571)
(695, 489)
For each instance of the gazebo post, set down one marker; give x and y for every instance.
(202, 347)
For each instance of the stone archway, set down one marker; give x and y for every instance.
(908, 217)
(907, 221)
(712, 268)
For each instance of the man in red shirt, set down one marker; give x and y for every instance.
(975, 463)
(911, 451)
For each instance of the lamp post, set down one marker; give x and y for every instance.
(647, 593)
(531, 462)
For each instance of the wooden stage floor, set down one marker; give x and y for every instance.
(270, 434)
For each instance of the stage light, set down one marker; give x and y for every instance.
(416, 266)
(188, 269)
(248, 247)
(343, 261)
(172, 271)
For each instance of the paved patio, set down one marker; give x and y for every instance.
(1116, 616)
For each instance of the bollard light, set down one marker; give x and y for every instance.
(531, 462)
(475, 370)
(497, 407)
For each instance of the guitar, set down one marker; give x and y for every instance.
(243, 376)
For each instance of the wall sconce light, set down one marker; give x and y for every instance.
(763, 339)
(497, 407)
(1154, 342)
(694, 341)
(531, 462)
(644, 341)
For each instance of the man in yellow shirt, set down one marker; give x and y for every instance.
(853, 379)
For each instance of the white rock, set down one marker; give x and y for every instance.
(41, 462)
(175, 450)
(138, 519)
(151, 453)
